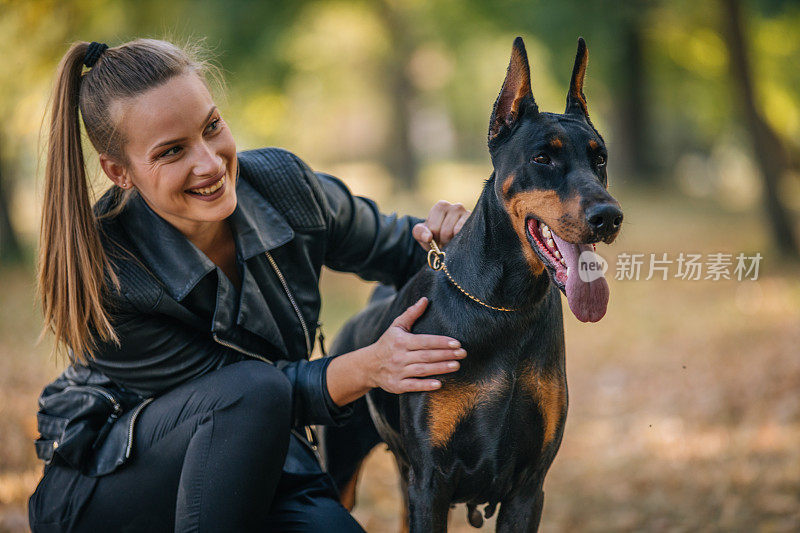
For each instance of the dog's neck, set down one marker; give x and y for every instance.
(486, 258)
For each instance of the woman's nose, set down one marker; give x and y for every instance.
(206, 161)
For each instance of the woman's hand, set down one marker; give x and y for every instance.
(398, 362)
(402, 359)
(443, 222)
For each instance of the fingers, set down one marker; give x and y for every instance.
(418, 385)
(435, 356)
(410, 315)
(419, 370)
(436, 217)
(422, 235)
(431, 342)
(448, 228)
(443, 222)
(461, 220)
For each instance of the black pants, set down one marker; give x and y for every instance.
(211, 455)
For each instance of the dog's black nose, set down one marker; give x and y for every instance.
(604, 219)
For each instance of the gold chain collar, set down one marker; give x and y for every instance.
(436, 262)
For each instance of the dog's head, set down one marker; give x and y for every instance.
(550, 177)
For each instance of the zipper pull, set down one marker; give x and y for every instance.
(311, 436)
(322, 340)
(103, 433)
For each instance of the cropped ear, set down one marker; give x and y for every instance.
(576, 101)
(515, 97)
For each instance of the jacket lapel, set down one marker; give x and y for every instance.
(257, 228)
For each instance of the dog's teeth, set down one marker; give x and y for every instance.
(557, 254)
(564, 263)
(546, 232)
(551, 243)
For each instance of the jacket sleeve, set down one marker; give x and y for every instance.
(363, 240)
(312, 403)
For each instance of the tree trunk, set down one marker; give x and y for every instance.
(10, 249)
(771, 156)
(632, 112)
(399, 153)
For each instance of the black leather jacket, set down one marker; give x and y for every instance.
(178, 316)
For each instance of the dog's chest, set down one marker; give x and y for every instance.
(502, 406)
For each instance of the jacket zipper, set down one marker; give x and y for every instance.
(102, 392)
(240, 350)
(292, 300)
(135, 414)
(310, 439)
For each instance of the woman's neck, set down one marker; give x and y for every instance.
(211, 237)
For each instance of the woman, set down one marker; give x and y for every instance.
(178, 291)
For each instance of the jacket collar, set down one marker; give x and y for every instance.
(257, 227)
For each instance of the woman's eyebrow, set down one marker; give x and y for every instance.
(173, 141)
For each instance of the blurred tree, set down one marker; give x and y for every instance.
(633, 121)
(10, 249)
(399, 151)
(770, 151)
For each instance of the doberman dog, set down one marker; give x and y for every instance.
(490, 433)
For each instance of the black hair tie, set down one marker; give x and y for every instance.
(93, 53)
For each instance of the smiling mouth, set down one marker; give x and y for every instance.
(208, 191)
(587, 295)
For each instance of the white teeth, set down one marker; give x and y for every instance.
(546, 232)
(557, 254)
(564, 263)
(205, 191)
(551, 243)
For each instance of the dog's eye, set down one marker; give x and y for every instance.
(600, 160)
(542, 159)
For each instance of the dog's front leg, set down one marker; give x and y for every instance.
(428, 504)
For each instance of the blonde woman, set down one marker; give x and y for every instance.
(187, 299)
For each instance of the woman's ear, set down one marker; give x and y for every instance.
(116, 171)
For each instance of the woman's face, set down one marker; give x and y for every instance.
(180, 154)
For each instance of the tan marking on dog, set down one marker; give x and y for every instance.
(579, 74)
(556, 143)
(507, 184)
(593, 145)
(547, 207)
(517, 72)
(516, 86)
(550, 394)
(347, 496)
(454, 401)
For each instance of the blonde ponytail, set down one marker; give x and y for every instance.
(72, 262)
(74, 272)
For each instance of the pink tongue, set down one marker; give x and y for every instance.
(587, 300)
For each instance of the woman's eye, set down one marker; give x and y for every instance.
(600, 160)
(542, 159)
(175, 150)
(213, 126)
